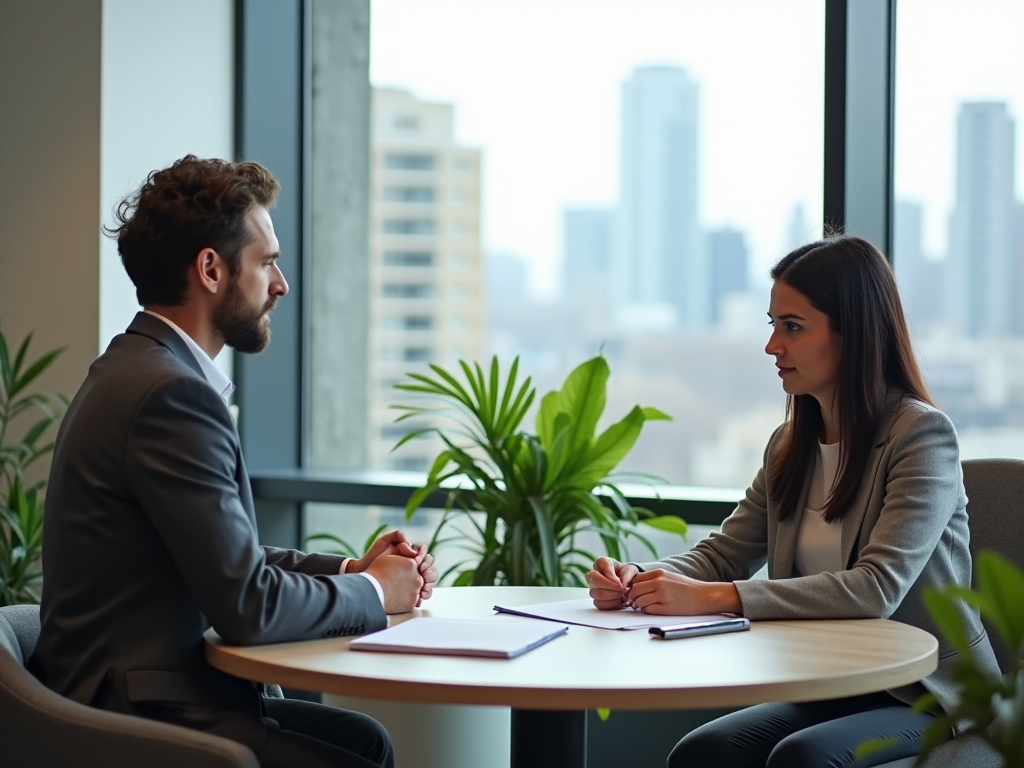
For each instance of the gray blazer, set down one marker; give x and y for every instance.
(906, 531)
(150, 538)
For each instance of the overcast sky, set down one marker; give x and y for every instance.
(536, 85)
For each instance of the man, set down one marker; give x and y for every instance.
(150, 533)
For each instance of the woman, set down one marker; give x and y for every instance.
(858, 507)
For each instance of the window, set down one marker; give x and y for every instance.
(408, 258)
(409, 194)
(404, 162)
(407, 322)
(959, 213)
(645, 217)
(408, 291)
(417, 354)
(408, 226)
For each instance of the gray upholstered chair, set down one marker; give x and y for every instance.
(995, 504)
(42, 729)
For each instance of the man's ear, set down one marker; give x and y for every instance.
(211, 271)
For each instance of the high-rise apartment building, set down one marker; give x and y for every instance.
(918, 278)
(586, 242)
(983, 267)
(657, 256)
(728, 257)
(426, 281)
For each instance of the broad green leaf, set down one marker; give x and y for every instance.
(583, 397)
(604, 714)
(550, 407)
(653, 414)
(464, 579)
(612, 446)
(668, 523)
(1003, 584)
(944, 611)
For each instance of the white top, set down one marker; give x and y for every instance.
(224, 387)
(818, 544)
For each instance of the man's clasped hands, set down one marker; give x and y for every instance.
(405, 571)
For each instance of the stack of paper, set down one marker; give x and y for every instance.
(501, 639)
(583, 613)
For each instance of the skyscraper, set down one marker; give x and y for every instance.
(918, 278)
(984, 273)
(586, 243)
(426, 284)
(727, 254)
(657, 256)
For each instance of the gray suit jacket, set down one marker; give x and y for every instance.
(906, 531)
(150, 538)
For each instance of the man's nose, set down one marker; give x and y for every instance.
(278, 286)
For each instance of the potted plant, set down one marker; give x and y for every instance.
(990, 707)
(21, 503)
(528, 497)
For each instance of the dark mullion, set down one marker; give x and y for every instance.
(834, 197)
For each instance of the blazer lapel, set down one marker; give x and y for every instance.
(163, 334)
(854, 518)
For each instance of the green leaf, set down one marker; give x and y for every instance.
(373, 537)
(418, 497)
(944, 611)
(34, 370)
(583, 398)
(548, 548)
(604, 714)
(612, 446)
(653, 414)
(550, 407)
(342, 547)
(6, 375)
(874, 746)
(1002, 584)
(668, 523)
(464, 579)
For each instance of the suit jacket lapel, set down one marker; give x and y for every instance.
(163, 334)
(854, 518)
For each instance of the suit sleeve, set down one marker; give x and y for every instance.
(736, 552)
(315, 563)
(181, 464)
(922, 491)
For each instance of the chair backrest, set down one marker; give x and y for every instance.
(19, 630)
(995, 507)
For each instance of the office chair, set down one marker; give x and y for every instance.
(42, 729)
(995, 501)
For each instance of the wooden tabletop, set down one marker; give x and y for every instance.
(590, 668)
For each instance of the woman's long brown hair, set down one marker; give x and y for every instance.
(851, 282)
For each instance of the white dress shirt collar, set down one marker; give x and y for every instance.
(217, 378)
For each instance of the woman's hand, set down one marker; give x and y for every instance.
(667, 594)
(609, 583)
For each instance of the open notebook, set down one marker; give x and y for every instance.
(494, 638)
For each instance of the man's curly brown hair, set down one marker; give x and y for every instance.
(181, 210)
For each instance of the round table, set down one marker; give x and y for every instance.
(551, 687)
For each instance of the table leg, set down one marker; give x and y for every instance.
(549, 739)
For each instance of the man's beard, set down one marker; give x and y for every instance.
(243, 328)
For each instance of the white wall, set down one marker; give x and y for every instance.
(167, 90)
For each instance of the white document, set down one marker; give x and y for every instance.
(583, 613)
(502, 639)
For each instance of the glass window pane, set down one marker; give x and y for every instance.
(603, 176)
(959, 221)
